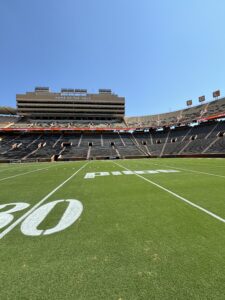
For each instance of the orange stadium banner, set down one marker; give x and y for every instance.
(212, 117)
(60, 129)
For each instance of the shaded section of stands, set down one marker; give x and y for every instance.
(206, 138)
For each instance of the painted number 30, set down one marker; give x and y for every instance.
(30, 224)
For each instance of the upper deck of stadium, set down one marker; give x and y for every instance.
(76, 108)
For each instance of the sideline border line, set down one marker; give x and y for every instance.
(192, 171)
(28, 172)
(18, 166)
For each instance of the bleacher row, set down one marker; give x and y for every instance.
(206, 138)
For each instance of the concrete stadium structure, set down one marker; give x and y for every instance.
(76, 125)
(70, 104)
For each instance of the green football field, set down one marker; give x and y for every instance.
(120, 229)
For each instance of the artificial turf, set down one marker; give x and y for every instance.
(133, 240)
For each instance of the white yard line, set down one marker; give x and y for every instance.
(176, 195)
(8, 229)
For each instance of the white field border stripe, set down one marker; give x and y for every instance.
(21, 174)
(177, 196)
(16, 168)
(190, 170)
(22, 165)
(45, 164)
(28, 172)
(13, 225)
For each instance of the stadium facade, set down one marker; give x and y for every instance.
(76, 125)
(71, 104)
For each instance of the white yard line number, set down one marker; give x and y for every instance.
(37, 214)
(30, 225)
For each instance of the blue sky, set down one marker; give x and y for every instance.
(156, 53)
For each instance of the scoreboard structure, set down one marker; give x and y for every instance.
(71, 104)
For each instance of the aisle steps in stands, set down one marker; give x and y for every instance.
(163, 148)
